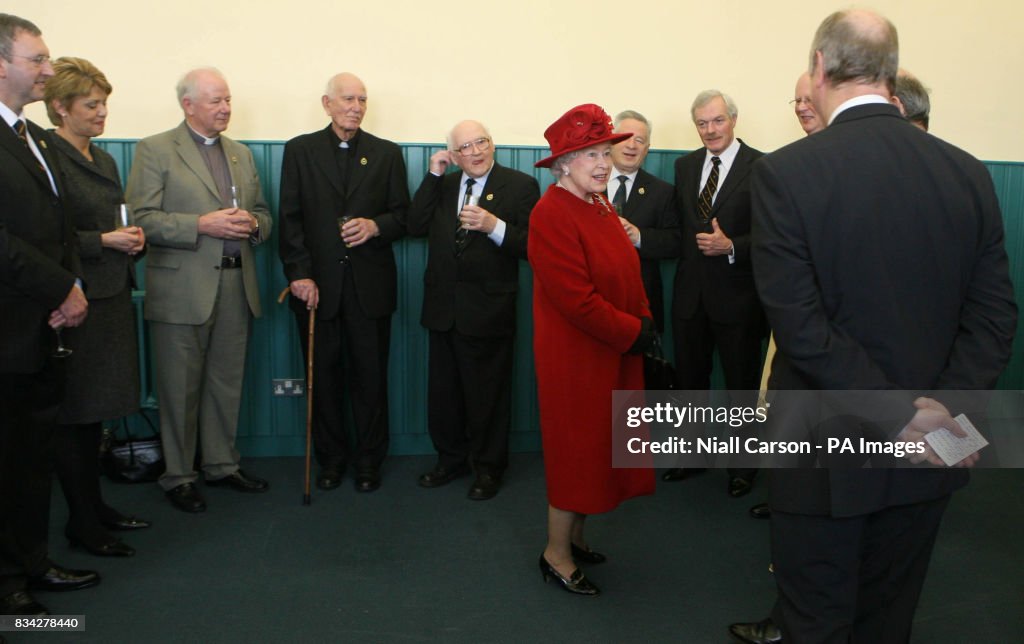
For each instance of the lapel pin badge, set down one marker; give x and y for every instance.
(42, 144)
(362, 161)
(490, 196)
(641, 190)
(234, 159)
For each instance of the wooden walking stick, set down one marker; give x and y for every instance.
(306, 497)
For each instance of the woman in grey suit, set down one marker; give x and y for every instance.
(103, 372)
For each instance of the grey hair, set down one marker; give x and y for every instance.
(636, 116)
(859, 47)
(560, 166)
(709, 95)
(187, 85)
(10, 25)
(914, 96)
(451, 140)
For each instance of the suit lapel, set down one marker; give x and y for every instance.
(323, 158)
(636, 196)
(366, 151)
(489, 195)
(737, 173)
(13, 143)
(231, 156)
(193, 160)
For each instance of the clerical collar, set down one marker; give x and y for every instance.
(345, 145)
(199, 138)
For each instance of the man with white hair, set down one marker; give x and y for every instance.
(197, 196)
(476, 221)
(343, 203)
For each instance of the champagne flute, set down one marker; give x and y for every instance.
(344, 219)
(61, 351)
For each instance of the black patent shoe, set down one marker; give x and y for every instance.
(111, 548)
(576, 583)
(59, 578)
(125, 523)
(763, 632)
(587, 555)
(21, 603)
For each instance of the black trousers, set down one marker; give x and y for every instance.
(855, 579)
(469, 400)
(78, 470)
(365, 343)
(28, 415)
(739, 348)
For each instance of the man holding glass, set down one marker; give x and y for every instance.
(196, 195)
(476, 222)
(343, 202)
(39, 292)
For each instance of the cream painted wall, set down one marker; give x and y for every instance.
(519, 65)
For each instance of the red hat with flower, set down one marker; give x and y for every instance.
(581, 127)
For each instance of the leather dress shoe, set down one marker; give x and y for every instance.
(330, 477)
(186, 498)
(484, 487)
(681, 473)
(239, 481)
(576, 583)
(763, 632)
(21, 603)
(761, 511)
(367, 480)
(442, 475)
(125, 523)
(587, 555)
(59, 578)
(739, 486)
(111, 548)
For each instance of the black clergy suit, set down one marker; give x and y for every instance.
(651, 207)
(358, 286)
(469, 306)
(38, 267)
(879, 257)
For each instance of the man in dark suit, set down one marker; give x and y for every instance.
(714, 300)
(477, 225)
(879, 258)
(343, 202)
(40, 291)
(646, 205)
(196, 194)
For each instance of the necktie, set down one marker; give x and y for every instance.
(619, 200)
(708, 193)
(461, 234)
(19, 129)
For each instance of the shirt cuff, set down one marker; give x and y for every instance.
(639, 238)
(498, 234)
(732, 254)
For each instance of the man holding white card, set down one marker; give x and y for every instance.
(878, 255)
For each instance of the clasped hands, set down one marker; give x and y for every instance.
(228, 223)
(130, 240)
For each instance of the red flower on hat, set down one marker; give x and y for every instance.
(587, 123)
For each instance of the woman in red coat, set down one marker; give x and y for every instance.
(591, 322)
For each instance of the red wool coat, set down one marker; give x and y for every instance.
(588, 299)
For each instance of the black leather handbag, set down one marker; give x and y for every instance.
(131, 459)
(659, 374)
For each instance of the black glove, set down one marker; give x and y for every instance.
(647, 337)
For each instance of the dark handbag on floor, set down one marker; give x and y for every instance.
(131, 459)
(658, 372)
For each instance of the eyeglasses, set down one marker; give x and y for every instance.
(39, 60)
(482, 144)
(803, 99)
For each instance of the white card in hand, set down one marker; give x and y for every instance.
(953, 449)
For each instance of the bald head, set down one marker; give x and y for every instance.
(803, 106)
(472, 148)
(344, 101)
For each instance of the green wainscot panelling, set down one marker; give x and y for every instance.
(275, 426)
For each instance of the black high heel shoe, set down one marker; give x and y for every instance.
(587, 556)
(112, 548)
(576, 583)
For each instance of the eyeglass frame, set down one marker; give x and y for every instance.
(38, 60)
(483, 144)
